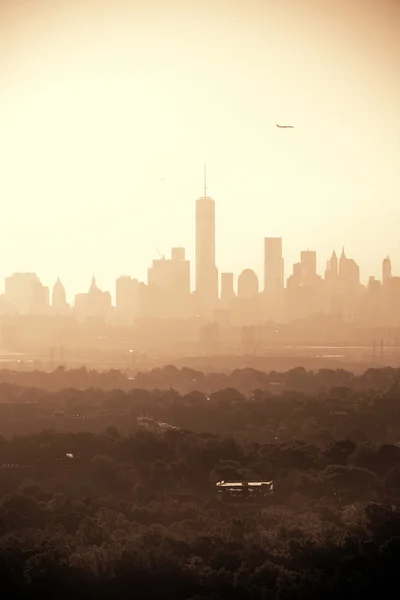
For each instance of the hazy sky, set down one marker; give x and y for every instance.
(108, 109)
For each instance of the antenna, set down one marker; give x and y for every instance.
(205, 180)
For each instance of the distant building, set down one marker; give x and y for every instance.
(386, 270)
(332, 302)
(206, 270)
(126, 299)
(304, 296)
(391, 301)
(59, 305)
(371, 304)
(349, 271)
(248, 304)
(332, 268)
(169, 279)
(247, 284)
(273, 277)
(178, 254)
(93, 305)
(348, 288)
(26, 295)
(245, 491)
(308, 262)
(227, 291)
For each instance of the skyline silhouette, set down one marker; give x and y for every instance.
(205, 240)
(130, 95)
(223, 298)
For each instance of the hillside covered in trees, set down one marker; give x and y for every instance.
(185, 380)
(116, 495)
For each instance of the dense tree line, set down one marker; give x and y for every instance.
(127, 506)
(139, 512)
(186, 380)
(341, 412)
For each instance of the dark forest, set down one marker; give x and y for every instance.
(108, 486)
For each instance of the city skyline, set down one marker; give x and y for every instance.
(276, 277)
(202, 277)
(101, 139)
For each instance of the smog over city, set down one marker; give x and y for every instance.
(199, 299)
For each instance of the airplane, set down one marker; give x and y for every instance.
(285, 126)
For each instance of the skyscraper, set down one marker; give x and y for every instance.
(59, 299)
(308, 261)
(206, 270)
(227, 292)
(126, 291)
(273, 275)
(171, 278)
(332, 268)
(349, 271)
(386, 270)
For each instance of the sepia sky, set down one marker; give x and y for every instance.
(108, 109)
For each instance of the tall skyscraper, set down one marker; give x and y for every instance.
(349, 271)
(59, 299)
(332, 268)
(308, 261)
(126, 291)
(206, 270)
(171, 278)
(273, 275)
(386, 270)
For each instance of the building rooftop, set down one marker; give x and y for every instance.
(243, 483)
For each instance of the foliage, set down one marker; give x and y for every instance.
(118, 507)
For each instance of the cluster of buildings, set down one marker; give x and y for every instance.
(167, 293)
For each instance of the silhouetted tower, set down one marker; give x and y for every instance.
(334, 265)
(342, 263)
(386, 270)
(206, 270)
(93, 287)
(58, 297)
(308, 261)
(273, 274)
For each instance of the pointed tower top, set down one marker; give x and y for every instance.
(58, 284)
(93, 286)
(333, 254)
(343, 254)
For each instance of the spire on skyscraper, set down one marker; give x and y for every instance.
(206, 270)
(93, 286)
